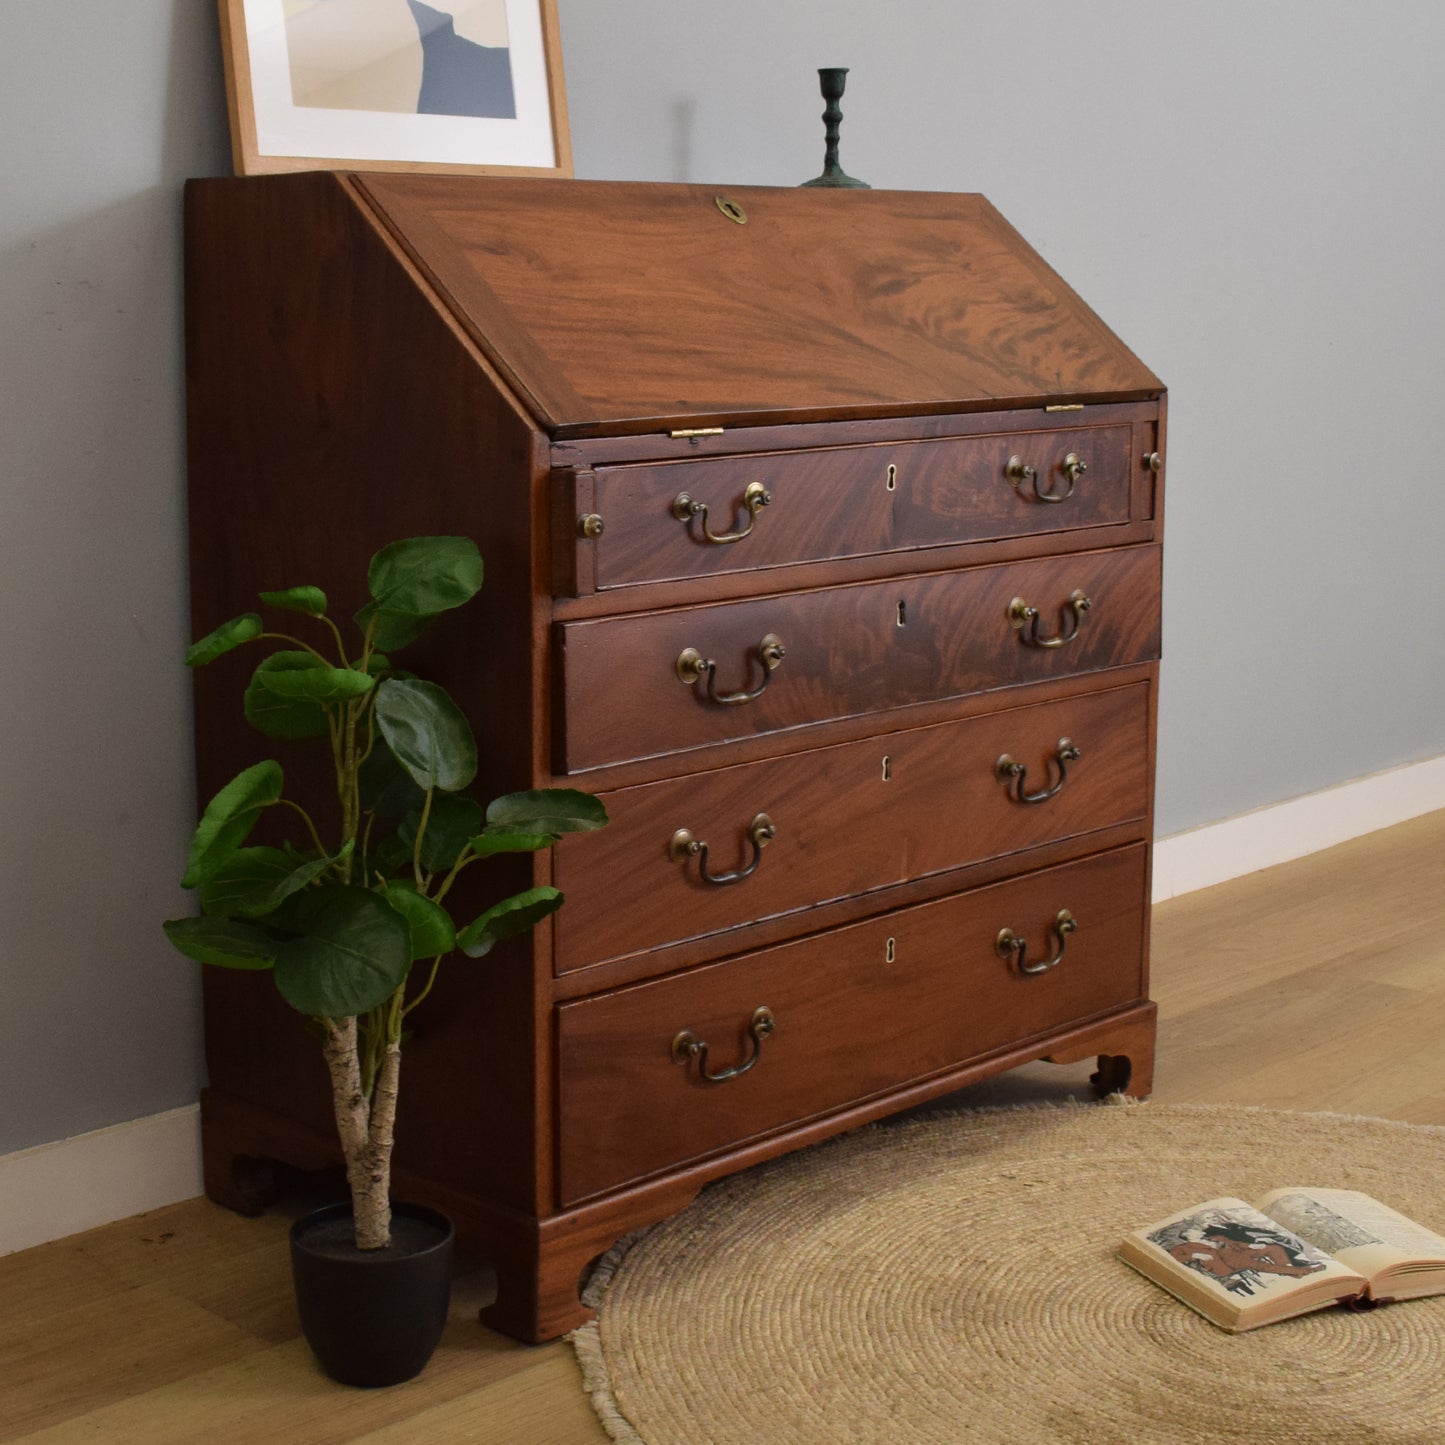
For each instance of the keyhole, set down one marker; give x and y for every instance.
(892, 477)
(903, 614)
(890, 952)
(887, 770)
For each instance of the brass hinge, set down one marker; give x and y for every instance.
(1067, 406)
(701, 431)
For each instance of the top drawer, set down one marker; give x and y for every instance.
(664, 521)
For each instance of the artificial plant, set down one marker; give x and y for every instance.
(342, 918)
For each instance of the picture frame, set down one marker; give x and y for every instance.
(458, 86)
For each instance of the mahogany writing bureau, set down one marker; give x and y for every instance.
(822, 534)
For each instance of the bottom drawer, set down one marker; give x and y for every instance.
(854, 1012)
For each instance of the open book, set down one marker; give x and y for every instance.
(1300, 1249)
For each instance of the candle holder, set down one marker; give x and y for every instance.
(831, 81)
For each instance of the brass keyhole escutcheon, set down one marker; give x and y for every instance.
(731, 210)
(892, 477)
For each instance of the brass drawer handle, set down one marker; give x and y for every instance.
(1012, 774)
(684, 845)
(692, 665)
(1010, 947)
(1020, 613)
(1018, 472)
(687, 510)
(687, 1046)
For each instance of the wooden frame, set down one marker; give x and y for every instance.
(270, 131)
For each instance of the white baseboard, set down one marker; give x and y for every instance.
(76, 1184)
(1263, 837)
(93, 1179)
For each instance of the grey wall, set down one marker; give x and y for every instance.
(104, 108)
(1252, 196)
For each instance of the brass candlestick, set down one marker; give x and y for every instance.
(831, 81)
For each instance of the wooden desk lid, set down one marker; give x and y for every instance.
(618, 307)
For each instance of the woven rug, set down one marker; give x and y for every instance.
(952, 1278)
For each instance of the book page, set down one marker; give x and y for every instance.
(1243, 1259)
(1356, 1228)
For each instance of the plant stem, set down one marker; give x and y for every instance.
(362, 1127)
(420, 835)
(340, 641)
(431, 979)
(310, 826)
(463, 858)
(294, 641)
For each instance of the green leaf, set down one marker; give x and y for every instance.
(387, 788)
(274, 713)
(222, 942)
(507, 919)
(392, 629)
(487, 842)
(429, 925)
(310, 600)
(319, 684)
(247, 874)
(422, 576)
(354, 955)
(229, 817)
(547, 810)
(412, 581)
(228, 635)
(449, 826)
(390, 856)
(428, 733)
(256, 881)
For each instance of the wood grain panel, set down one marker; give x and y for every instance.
(849, 820)
(615, 306)
(849, 650)
(854, 1017)
(845, 502)
(323, 381)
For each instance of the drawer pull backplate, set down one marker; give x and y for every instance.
(687, 510)
(761, 832)
(686, 1046)
(691, 665)
(1010, 946)
(1012, 774)
(1020, 614)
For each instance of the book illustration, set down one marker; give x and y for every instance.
(1239, 1252)
(1319, 1223)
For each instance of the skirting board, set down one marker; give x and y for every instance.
(1217, 852)
(59, 1189)
(76, 1184)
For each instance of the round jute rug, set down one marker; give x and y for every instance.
(952, 1278)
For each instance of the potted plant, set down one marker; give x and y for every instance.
(351, 919)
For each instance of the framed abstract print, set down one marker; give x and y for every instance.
(400, 85)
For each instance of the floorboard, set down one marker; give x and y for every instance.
(1317, 985)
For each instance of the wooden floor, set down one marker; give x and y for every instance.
(1318, 985)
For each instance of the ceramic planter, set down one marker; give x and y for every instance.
(372, 1317)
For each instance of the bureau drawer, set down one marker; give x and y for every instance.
(672, 520)
(663, 682)
(846, 820)
(857, 1011)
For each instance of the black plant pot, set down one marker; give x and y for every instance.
(372, 1316)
